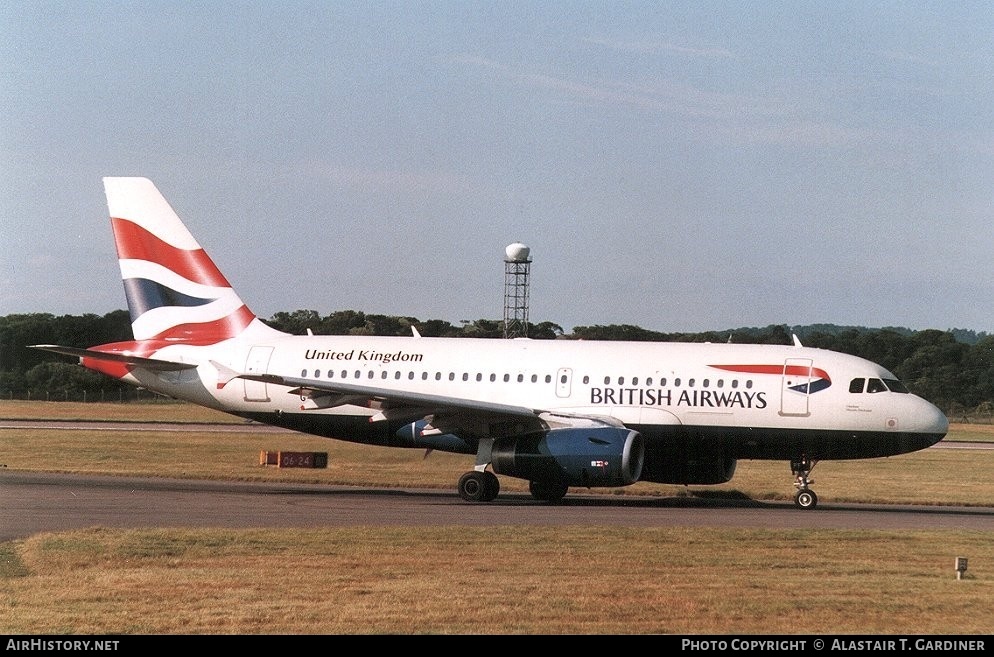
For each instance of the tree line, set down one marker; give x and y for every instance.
(953, 369)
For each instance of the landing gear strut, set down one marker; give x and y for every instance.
(479, 484)
(804, 498)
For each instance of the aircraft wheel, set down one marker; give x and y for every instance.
(806, 499)
(547, 491)
(477, 486)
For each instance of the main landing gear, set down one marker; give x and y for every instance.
(483, 486)
(804, 498)
(479, 486)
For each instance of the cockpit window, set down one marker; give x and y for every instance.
(896, 386)
(875, 385)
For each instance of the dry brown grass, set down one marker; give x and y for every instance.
(157, 411)
(499, 580)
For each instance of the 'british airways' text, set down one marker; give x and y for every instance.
(663, 397)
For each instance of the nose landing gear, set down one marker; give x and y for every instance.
(804, 498)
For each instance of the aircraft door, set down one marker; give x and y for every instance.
(257, 362)
(796, 386)
(564, 379)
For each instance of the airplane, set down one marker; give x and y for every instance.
(559, 413)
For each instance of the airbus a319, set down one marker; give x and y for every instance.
(557, 413)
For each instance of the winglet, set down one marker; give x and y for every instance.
(797, 340)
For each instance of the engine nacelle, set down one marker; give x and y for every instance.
(588, 457)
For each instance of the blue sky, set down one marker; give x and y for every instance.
(680, 166)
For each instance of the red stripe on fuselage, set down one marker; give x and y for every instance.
(791, 370)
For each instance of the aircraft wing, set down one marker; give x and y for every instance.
(451, 413)
(154, 364)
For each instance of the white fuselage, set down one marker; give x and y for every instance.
(757, 393)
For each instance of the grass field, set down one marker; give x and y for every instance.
(492, 580)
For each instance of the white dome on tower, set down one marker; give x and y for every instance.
(517, 252)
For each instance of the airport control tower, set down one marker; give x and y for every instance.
(517, 264)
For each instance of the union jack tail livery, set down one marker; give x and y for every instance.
(174, 290)
(557, 413)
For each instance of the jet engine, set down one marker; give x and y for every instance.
(588, 457)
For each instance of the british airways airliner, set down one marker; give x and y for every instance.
(557, 413)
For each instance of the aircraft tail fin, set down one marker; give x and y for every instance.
(174, 290)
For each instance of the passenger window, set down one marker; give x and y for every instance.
(648, 381)
(534, 378)
(586, 380)
(856, 385)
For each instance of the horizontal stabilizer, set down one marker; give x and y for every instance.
(153, 364)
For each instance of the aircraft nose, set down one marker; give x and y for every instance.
(931, 420)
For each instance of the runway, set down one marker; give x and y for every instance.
(32, 502)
